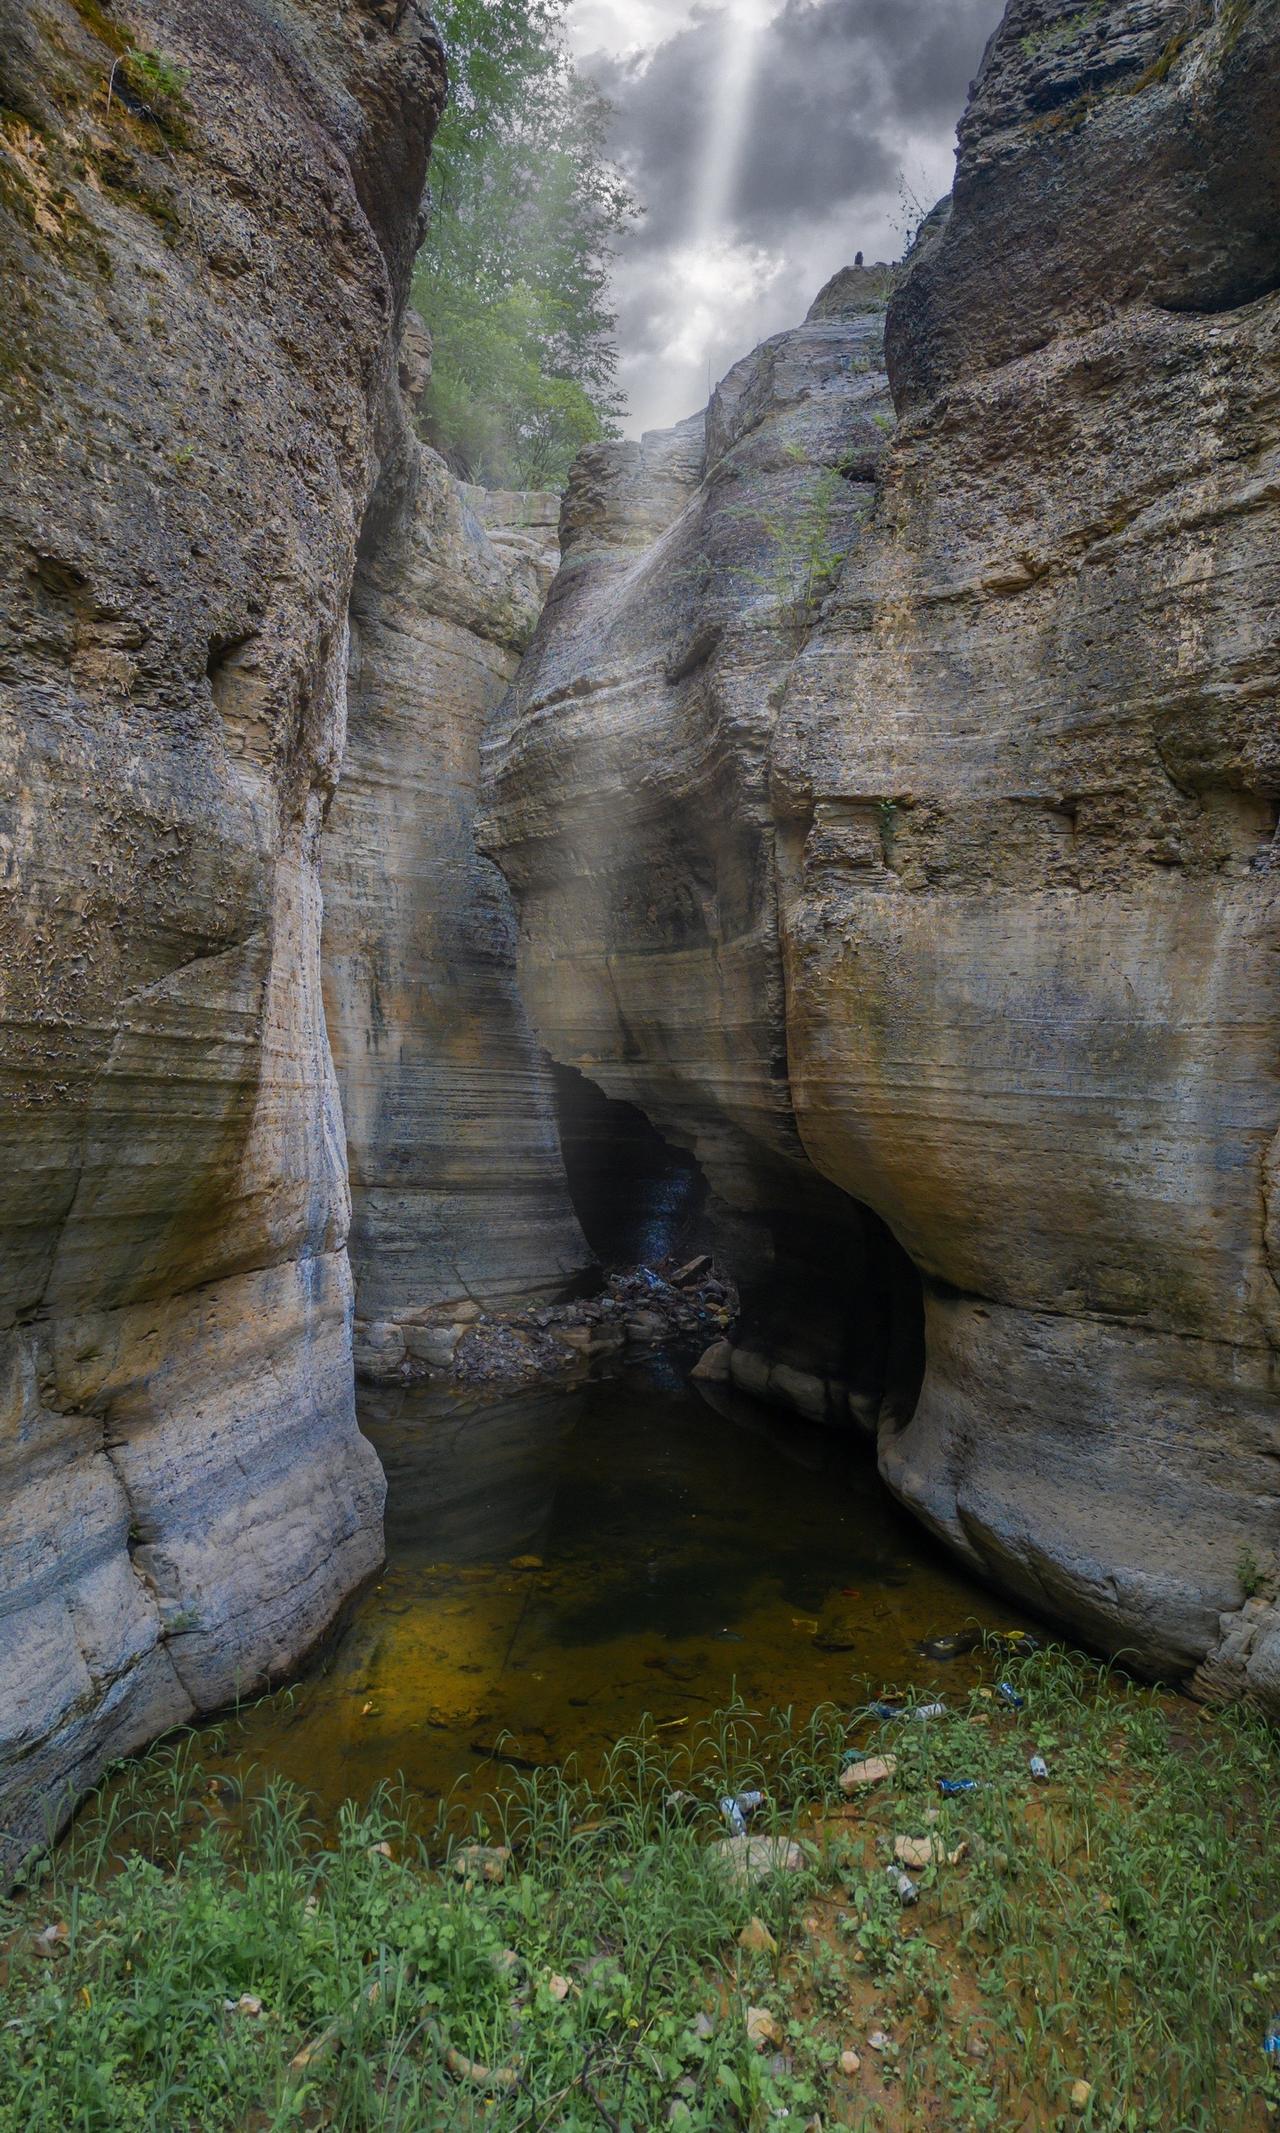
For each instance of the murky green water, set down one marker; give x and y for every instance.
(670, 1556)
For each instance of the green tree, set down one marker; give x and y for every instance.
(513, 279)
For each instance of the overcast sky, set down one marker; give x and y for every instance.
(770, 140)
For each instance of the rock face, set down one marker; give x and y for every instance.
(190, 386)
(457, 1186)
(1036, 1026)
(631, 810)
(966, 897)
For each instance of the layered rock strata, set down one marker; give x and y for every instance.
(457, 1185)
(205, 256)
(962, 896)
(630, 808)
(1027, 774)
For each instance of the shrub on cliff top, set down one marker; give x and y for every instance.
(513, 278)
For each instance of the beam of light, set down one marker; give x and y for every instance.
(742, 26)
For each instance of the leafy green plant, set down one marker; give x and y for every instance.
(222, 1960)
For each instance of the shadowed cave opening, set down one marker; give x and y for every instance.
(826, 1290)
(637, 1198)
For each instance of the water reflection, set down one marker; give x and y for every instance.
(562, 1561)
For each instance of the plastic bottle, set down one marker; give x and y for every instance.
(1039, 1768)
(902, 1884)
(950, 1787)
(928, 1710)
(737, 1812)
(1009, 1695)
(1271, 2041)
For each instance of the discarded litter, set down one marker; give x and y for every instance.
(1009, 1696)
(949, 1787)
(738, 1811)
(1271, 2041)
(902, 1885)
(902, 1710)
(1038, 1767)
(952, 1647)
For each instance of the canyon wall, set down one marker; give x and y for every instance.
(955, 884)
(204, 259)
(630, 807)
(457, 1184)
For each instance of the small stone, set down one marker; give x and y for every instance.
(525, 1562)
(1081, 2091)
(432, 1345)
(849, 2062)
(919, 1852)
(750, 1858)
(756, 1938)
(558, 1986)
(703, 2025)
(488, 1860)
(872, 1771)
(247, 2004)
(713, 1365)
(380, 1851)
(763, 2029)
(977, 2046)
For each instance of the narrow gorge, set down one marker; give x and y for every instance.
(858, 803)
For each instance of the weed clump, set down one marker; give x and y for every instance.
(1098, 1938)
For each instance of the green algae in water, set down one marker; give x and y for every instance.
(563, 1561)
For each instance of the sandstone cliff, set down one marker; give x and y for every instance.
(631, 809)
(457, 1185)
(965, 897)
(1037, 1026)
(210, 271)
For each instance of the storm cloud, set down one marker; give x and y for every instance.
(844, 129)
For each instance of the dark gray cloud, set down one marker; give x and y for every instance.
(839, 87)
(846, 106)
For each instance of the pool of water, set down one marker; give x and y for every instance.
(561, 1562)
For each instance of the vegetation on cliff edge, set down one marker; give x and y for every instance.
(513, 279)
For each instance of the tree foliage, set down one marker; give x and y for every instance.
(513, 280)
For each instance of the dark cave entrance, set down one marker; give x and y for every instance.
(638, 1198)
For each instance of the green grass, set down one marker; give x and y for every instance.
(1117, 1925)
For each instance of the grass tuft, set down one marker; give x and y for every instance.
(191, 1958)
